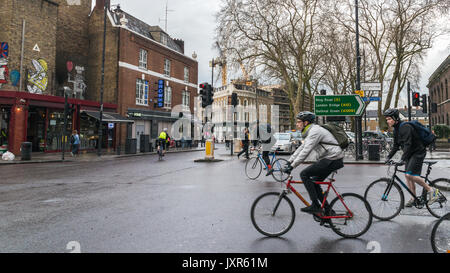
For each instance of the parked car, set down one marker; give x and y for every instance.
(297, 136)
(351, 136)
(284, 143)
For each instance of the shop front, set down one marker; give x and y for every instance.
(40, 119)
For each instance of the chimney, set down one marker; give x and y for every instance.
(180, 43)
(100, 4)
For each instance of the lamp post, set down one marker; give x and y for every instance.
(67, 92)
(100, 127)
(359, 154)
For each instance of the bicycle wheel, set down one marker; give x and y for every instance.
(384, 207)
(272, 214)
(361, 212)
(278, 166)
(253, 168)
(440, 235)
(442, 205)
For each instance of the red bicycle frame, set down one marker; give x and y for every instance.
(330, 185)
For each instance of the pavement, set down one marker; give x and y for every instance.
(40, 157)
(221, 153)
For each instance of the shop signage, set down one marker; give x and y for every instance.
(110, 125)
(160, 93)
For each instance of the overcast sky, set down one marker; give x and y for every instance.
(194, 22)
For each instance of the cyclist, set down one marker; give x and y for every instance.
(163, 140)
(329, 158)
(267, 141)
(414, 152)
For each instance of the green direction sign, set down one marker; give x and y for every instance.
(338, 105)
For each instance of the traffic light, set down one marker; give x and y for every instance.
(423, 103)
(204, 94)
(234, 100)
(415, 99)
(210, 95)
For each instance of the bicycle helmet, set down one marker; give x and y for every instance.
(306, 116)
(393, 113)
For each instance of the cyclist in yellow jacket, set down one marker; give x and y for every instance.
(163, 140)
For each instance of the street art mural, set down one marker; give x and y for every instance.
(38, 79)
(4, 72)
(4, 50)
(79, 87)
(14, 76)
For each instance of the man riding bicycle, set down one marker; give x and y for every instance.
(414, 152)
(163, 140)
(329, 158)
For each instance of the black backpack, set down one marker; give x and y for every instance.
(339, 134)
(424, 133)
(72, 139)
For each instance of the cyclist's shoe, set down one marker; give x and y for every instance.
(312, 209)
(433, 196)
(410, 203)
(270, 171)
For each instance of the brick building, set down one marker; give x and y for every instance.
(140, 60)
(39, 38)
(439, 93)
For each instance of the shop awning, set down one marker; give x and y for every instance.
(108, 117)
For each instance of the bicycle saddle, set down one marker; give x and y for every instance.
(430, 162)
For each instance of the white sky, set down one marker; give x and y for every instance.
(194, 22)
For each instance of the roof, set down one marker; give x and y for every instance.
(139, 26)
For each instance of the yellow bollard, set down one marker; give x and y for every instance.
(209, 149)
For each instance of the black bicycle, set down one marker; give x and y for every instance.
(386, 197)
(440, 235)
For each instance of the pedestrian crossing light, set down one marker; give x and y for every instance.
(415, 99)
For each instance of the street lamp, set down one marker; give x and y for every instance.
(100, 128)
(67, 92)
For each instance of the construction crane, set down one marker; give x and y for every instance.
(223, 64)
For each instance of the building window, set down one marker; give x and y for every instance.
(141, 92)
(186, 98)
(167, 67)
(168, 97)
(143, 58)
(186, 74)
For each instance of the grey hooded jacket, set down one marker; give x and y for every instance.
(315, 138)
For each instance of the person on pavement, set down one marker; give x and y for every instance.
(245, 144)
(329, 158)
(414, 152)
(75, 141)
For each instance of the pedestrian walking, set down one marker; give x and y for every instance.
(75, 142)
(245, 144)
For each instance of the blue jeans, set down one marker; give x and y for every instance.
(75, 148)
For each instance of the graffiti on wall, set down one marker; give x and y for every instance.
(38, 79)
(4, 72)
(79, 87)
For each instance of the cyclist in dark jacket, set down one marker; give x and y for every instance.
(414, 152)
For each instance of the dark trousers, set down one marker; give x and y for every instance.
(244, 150)
(318, 172)
(265, 156)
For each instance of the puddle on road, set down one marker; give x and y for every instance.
(55, 200)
